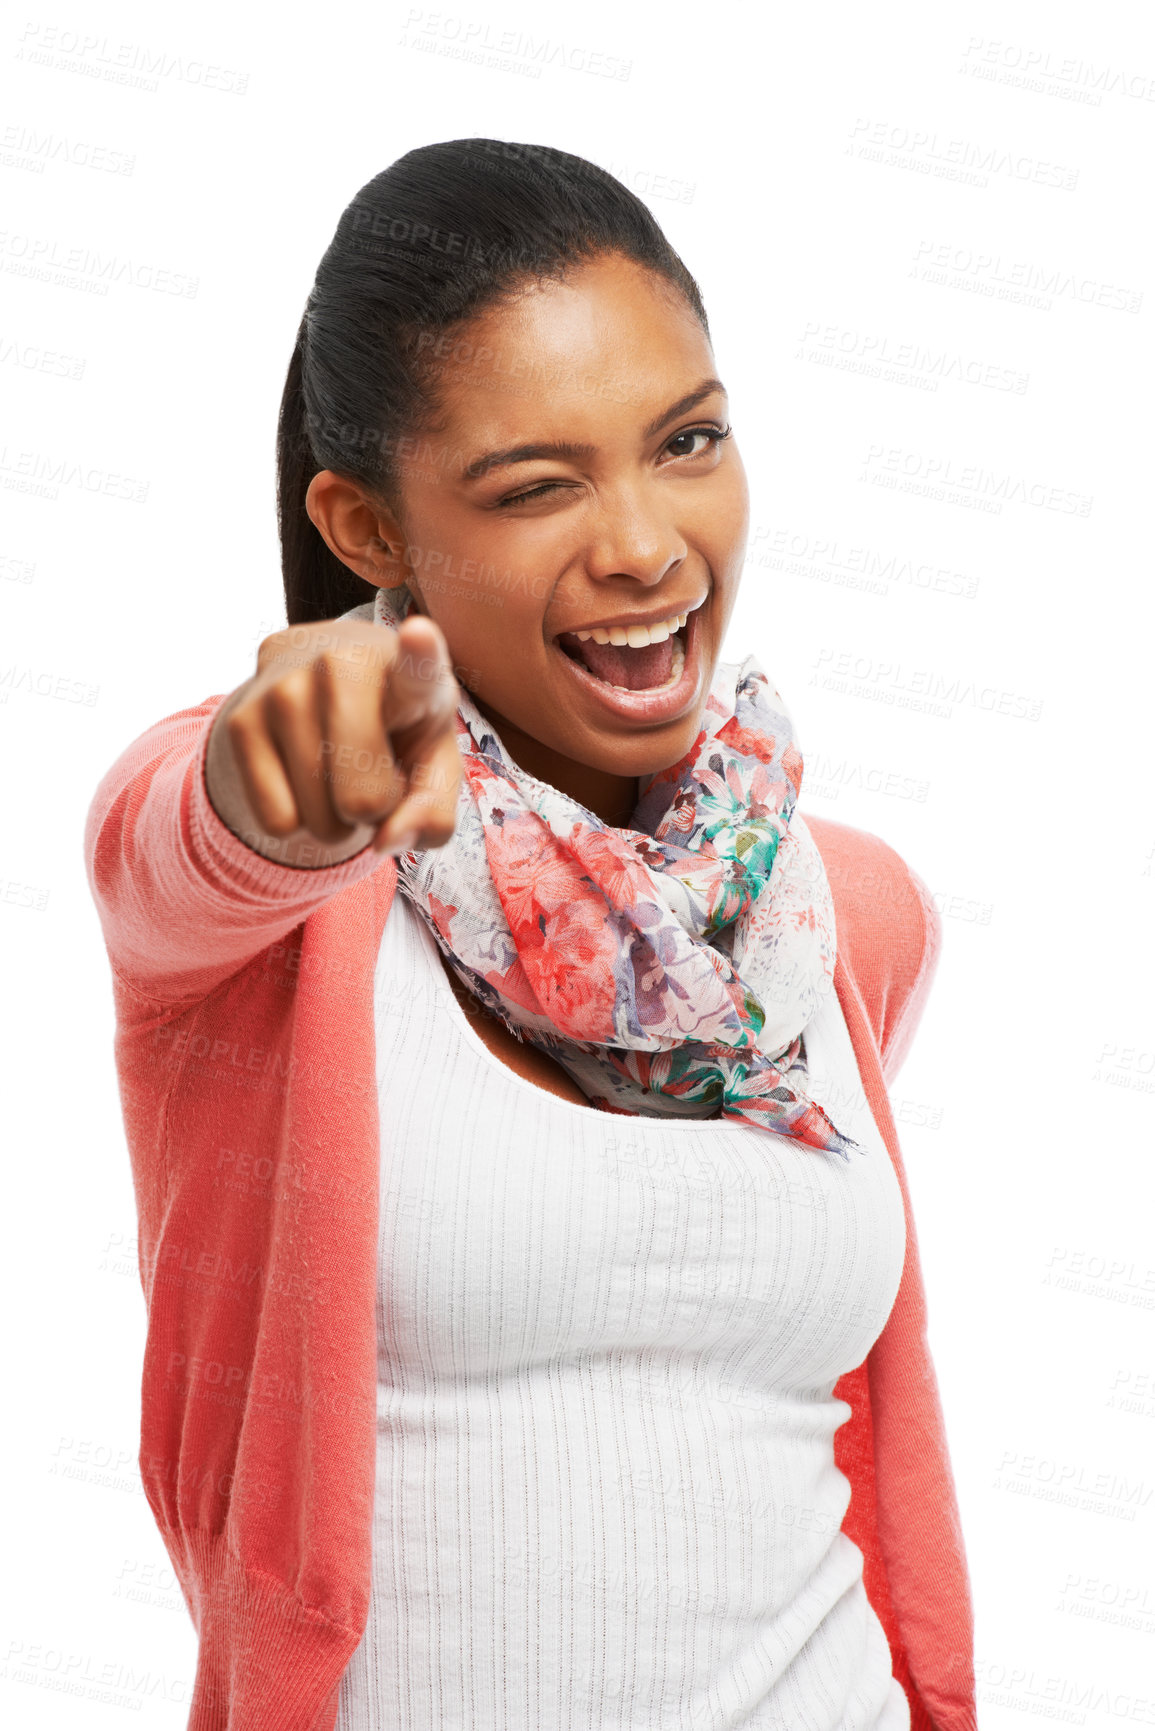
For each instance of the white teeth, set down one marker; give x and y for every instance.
(635, 636)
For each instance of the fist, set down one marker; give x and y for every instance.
(343, 725)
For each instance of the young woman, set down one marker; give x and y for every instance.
(536, 1330)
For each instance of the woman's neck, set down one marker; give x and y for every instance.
(610, 797)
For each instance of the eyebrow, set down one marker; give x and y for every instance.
(566, 451)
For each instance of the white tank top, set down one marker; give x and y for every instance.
(606, 1494)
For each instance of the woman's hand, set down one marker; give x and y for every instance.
(344, 734)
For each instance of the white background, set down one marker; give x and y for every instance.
(957, 197)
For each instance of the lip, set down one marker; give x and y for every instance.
(644, 707)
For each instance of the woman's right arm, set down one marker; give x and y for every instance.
(224, 826)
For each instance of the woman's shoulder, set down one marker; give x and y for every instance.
(889, 931)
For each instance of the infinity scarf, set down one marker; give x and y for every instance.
(669, 967)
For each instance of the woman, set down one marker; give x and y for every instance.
(536, 1331)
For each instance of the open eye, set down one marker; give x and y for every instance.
(712, 436)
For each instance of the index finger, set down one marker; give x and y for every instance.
(427, 815)
(420, 690)
(419, 713)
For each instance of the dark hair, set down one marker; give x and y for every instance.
(441, 235)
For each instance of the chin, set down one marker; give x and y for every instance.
(648, 750)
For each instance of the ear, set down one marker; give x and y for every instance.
(363, 534)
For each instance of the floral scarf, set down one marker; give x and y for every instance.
(669, 967)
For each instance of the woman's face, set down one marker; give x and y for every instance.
(579, 480)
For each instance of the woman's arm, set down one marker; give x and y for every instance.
(225, 825)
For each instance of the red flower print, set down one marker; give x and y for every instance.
(443, 912)
(614, 867)
(572, 969)
(530, 870)
(746, 740)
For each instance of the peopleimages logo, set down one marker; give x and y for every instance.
(922, 688)
(477, 39)
(134, 64)
(1022, 281)
(26, 147)
(877, 355)
(47, 259)
(941, 477)
(1062, 75)
(39, 473)
(825, 559)
(960, 159)
(42, 683)
(826, 777)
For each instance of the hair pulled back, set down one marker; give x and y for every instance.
(427, 244)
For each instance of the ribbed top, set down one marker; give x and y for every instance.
(606, 1492)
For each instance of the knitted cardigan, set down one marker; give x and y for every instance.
(245, 1052)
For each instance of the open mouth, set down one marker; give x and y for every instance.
(646, 666)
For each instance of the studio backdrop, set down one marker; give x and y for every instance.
(923, 237)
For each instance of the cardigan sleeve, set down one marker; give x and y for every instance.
(901, 1030)
(183, 902)
(888, 930)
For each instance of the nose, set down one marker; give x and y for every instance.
(633, 537)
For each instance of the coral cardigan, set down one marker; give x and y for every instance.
(245, 1052)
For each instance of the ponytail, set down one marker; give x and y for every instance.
(318, 585)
